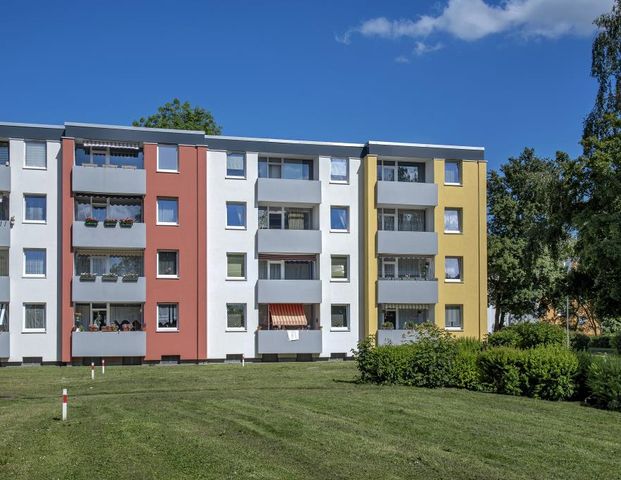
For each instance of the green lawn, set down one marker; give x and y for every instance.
(288, 420)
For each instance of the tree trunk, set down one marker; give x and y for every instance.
(499, 319)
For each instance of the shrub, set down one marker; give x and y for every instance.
(431, 361)
(580, 342)
(601, 341)
(604, 382)
(465, 370)
(470, 344)
(500, 369)
(528, 335)
(584, 362)
(507, 337)
(616, 342)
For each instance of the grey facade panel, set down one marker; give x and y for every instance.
(289, 291)
(112, 133)
(100, 291)
(5, 233)
(277, 341)
(395, 337)
(31, 132)
(289, 241)
(5, 289)
(5, 178)
(410, 194)
(283, 148)
(108, 344)
(422, 151)
(113, 181)
(407, 243)
(109, 237)
(407, 291)
(292, 192)
(5, 344)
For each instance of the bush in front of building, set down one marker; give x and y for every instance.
(604, 382)
(616, 342)
(528, 335)
(600, 341)
(465, 368)
(580, 342)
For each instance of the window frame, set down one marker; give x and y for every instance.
(39, 195)
(460, 173)
(245, 318)
(245, 275)
(236, 227)
(347, 273)
(157, 211)
(157, 164)
(157, 317)
(346, 180)
(34, 330)
(340, 230)
(347, 318)
(34, 275)
(461, 317)
(460, 220)
(32, 167)
(157, 266)
(238, 177)
(460, 262)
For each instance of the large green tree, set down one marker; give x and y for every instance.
(526, 241)
(182, 116)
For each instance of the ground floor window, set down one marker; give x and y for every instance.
(236, 316)
(34, 317)
(108, 316)
(167, 317)
(339, 317)
(453, 317)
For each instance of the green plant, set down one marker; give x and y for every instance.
(604, 382)
(580, 342)
(528, 335)
(409, 325)
(388, 326)
(507, 337)
(601, 341)
(465, 369)
(500, 369)
(616, 342)
(584, 363)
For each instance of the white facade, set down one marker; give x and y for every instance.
(42, 290)
(221, 241)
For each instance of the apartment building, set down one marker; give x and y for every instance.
(154, 245)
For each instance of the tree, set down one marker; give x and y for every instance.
(181, 116)
(526, 239)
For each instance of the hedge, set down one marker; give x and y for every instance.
(604, 382)
(528, 335)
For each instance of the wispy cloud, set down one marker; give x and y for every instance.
(421, 48)
(402, 59)
(472, 20)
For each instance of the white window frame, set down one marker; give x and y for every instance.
(348, 318)
(383, 216)
(460, 261)
(341, 230)
(30, 167)
(460, 219)
(157, 318)
(461, 315)
(33, 330)
(341, 182)
(236, 279)
(38, 222)
(236, 177)
(226, 219)
(390, 261)
(157, 266)
(459, 167)
(282, 269)
(338, 279)
(157, 211)
(237, 329)
(166, 170)
(32, 275)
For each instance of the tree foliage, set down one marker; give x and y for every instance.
(181, 116)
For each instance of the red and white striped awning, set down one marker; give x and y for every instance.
(111, 144)
(287, 315)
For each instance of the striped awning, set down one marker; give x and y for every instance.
(406, 306)
(111, 144)
(287, 315)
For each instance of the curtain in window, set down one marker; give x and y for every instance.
(99, 265)
(35, 154)
(126, 157)
(82, 313)
(121, 208)
(411, 220)
(35, 208)
(235, 165)
(35, 262)
(339, 316)
(125, 313)
(263, 167)
(339, 267)
(4, 317)
(453, 317)
(451, 172)
(4, 263)
(262, 270)
(35, 316)
(412, 267)
(235, 315)
(411, 172)
(167, 210)
(298, 219)
(298, 270)
(451, 268)
(451, 220)
(275, 271)
(82, 209)
(235, 266)
(167, 316)
(338, 169)
(338, 218)
(4, 153)
(167, 263)
(235, 215)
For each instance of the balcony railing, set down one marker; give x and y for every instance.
(291, 192)
(407, 291)
(108, 344)
(407, 243)
(106, 288)
(5, 233)
(108, 235)
(5, 178)
(109, 179)
(289, 291)
(395, 337)
(5, 289)
(281, 342)
(412, 194)
(5, 345)
(289, 241)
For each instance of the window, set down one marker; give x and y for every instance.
(452, 220)
(35, 155)
(102, 264)
(4, 153)
(339, 267)
(453, 317)
(389, 171)
(289, 168)
(452, 172)
(34, 262)
(339, 218)
(35, 208)
(168, 211)
(235, 165)
(285, 218)
(236, 316)
(167, 158)
(338, 170)
(339, 317)
(103, 207)
(452, 269)
(34, 317)
(167, 264)
(131, 156)
(236, 266)
(235, 215)
(167, 319)
(4, 317)
(411, 220)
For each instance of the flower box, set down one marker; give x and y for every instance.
(91, 222)
(130, 277)
(87, 277)
(126, 222)
(109, 222)
(109, 277)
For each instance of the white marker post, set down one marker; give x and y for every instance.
(243, 360)
(92, 370)
(64, 409)
(103, 366)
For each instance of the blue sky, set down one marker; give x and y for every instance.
(503, 75)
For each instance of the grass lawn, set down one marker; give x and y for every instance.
(288, 420)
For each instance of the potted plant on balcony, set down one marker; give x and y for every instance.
(88, 277)
(110, 222)
(130, 277)
(93, 328)
(388, 326)
(91, 222)
(126, 222)
(109, 277)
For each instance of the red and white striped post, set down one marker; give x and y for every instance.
(64, 408)
(92, 370)
(103, 366)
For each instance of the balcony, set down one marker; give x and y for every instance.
(407, 291)
(289, 241)
(410, 194)
(5, 289)
(99, 289)
(109, 180)
(5, 233)
(289, 291)
(5, 178)
(100, 236)
(108, 344)
(277, 341)
(407, 243)
(291, 192)
(395, 337)
(5, 345)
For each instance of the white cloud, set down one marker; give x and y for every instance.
(474, 19)
(421, 48)
(402, 59)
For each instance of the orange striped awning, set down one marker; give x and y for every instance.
(287, 315)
